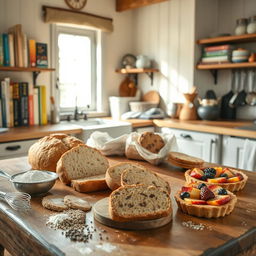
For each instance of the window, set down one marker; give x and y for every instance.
(76, 68)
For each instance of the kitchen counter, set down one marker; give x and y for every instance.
(217, 127)
(33, 132)
(27, 234)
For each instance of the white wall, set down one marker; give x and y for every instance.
(165, 33)
(115, 44)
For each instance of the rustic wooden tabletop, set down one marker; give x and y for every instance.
(27, 233)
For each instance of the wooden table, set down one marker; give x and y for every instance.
(27, 234)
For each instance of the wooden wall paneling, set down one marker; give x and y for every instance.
(2, 15)
(122, 5)
(163, 48)
(174, 46)
(187, 39)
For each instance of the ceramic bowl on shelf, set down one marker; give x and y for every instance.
(240, 53)
(239, 59)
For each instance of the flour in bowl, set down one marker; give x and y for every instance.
(32, 176)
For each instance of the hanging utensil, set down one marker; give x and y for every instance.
(240, 99)
(236, 89)
(17, 200)
(226, 111)
(251, 96)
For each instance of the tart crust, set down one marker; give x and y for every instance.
(206, 211)
(232, 187)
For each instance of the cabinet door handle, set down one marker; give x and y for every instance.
(186, 136)
(13, 148)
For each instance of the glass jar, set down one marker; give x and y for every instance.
(241, 26)
(251, 27)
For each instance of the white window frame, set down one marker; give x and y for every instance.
(95, 60)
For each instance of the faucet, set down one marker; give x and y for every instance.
(77, 115)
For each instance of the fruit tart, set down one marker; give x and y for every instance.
(208, 201)
(228, 178)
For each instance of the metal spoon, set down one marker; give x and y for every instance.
(240, 99)
(236, 89)
(251, 96)
(17, 200)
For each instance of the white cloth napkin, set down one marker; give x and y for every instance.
(249, 157)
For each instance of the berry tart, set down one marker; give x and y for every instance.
(208, 201)
(230, 179)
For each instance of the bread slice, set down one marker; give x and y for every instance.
(132, 176)
(139, 202)
(75, 202)
(54, 203)
(185, 159)
(80, 162)
(113, 174)
(90, 184)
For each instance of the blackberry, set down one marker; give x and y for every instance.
(201, 185)
(204, 178)
(224, 175)
(222, 191)
(184, 195)
(209, 175)
(210, 170)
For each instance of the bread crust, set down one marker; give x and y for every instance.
(45, 153)
(149, 216)
(184, 159)
(62, 170)
(132, 153)
(113, 182)
(90, 185)
(75, 202)
(48, 203)
(151, 141)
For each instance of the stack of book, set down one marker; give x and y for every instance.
(21, 104)
(217, 54)
(17, 51)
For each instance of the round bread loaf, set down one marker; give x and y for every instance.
(46, 152)
(151, 141)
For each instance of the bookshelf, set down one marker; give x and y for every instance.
(213, 68)
(35, 71)
(135, 71)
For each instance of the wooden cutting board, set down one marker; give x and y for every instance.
(101, 214)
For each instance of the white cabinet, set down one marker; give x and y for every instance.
(15, 149)
(232, 151)
(206, 146)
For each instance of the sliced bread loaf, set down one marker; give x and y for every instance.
(80, 162)
(131, 176)
(113, 174)
(90, 184)
(139, 202)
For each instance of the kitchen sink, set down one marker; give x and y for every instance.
(112, 127)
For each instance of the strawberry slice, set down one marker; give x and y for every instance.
(194, 201)
(219, 200)
(197, 173)
(206, 193)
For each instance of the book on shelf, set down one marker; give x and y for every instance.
(31, 104)
(216, 53)
(1, 114)
(16, 105)
(41, 55)
(32, 52)
(42, 105)
(36, 105)
(25, 50)
(6, 50)
(11, 49)
(218, 48)
(215, 59)
(1, 51)
(24, 103)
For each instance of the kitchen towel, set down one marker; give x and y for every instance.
(249, 156)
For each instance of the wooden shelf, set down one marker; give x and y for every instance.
(136, 70)
(229, 39)
(227, 65)
(25, 69)
(36, 71)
